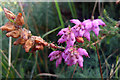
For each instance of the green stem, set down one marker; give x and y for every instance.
(72, 9)
(59, 13)
(36, 57)
(28, 58)
(51, 31)
(18, 51)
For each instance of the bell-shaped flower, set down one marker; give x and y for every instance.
(75, 21)
(56, 55)
(72, 56)
(67, 36)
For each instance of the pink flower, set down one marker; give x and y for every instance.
(78, 29)
(56, 55)
(83, 28)
(93, 25)
(75, 21)
(83, 52)
(87, 24)
(72, 56)
(67, 36)
(87, 35)
(96, 24)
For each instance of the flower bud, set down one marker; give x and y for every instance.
(80, 40)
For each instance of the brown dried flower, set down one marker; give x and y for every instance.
(19, 41)
(19, 19)
(28, 44)
(25, 33)
(39, 47)
(9, 26)
(53, 45)
(40, 41)
(9, 14)
(14, 34)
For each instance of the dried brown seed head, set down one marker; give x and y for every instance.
(14, 34)
(53, 46)
(19, 41)
(39, 47)
(19, 19)
(9, 14)
(28, 44)
(25, 33)
(8, 27)
(39, 40)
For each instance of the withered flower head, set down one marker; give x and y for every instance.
(19, 41)
(53, 46)
(9, 26)
(39, 47)
(9, 14)
(14, 34)
(19, 19)
(28, 44)
(40, 41)
(25, 33)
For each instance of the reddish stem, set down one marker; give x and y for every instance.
(99, 62)
(74, 70)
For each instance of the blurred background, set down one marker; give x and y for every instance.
(41, 18)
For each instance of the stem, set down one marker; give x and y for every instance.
(10, 41)
(11, 64)
(51, 31)
(94, 9)
(71, 9)
(99, 62)
(59, 13)
(21, 7)
(74, 70)
(34, 65)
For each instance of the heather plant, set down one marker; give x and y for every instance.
(76, 39)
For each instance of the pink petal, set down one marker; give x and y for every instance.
(75, 21)
(80, 61)
(87, 23)
(58, 61)
(62, 31)
(87, 35)
(100, 22)
(62, 39)
(96, 31)
(54, 53)
(81, 32)
(82, 52)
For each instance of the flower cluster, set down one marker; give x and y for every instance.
(72, 54)
(14, 29)
(83, 28)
